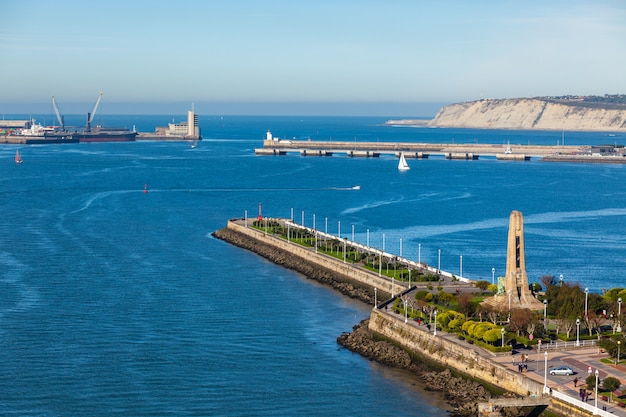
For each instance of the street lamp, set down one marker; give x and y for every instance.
(561, 280)
(493, 275)
(435, 332)
(375, 298)
(339, 229)
(461, 265)
(502, 332)
(545, 371)
(344, 251)
(367, 234)
(545, 314)
(619, 343)
(509, 301)
(595, 411)
(586, 302)
(406, 311)
(419, 253)
(577, 332)
(619, 315)
(438, 260)
(353, 233)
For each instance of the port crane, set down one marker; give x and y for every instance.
(59, 117)
(91, 115)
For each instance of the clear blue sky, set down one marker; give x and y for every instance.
(304, 57)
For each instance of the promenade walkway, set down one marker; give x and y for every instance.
(579, 359)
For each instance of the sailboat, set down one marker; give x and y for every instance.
(18, 159)
(402, 165)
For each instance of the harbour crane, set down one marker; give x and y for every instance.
(91, 115)
(59, 117)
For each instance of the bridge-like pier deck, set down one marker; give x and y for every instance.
(414, 150)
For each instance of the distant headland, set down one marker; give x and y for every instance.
(582, 113)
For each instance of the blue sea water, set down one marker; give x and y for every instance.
(118, 302)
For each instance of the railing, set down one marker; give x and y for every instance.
(581, 404)
(560, 345)
(369, 249)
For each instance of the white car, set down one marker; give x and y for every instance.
(562, 370)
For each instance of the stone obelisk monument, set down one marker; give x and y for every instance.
(515, 293)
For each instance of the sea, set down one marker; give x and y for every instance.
(115, 300)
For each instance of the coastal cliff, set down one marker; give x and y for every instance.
(527, 114)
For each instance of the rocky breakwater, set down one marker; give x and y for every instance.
(462, 394)
(530, 114)
(289, 260)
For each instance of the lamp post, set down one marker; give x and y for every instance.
(383, 242)
(586, 303)
(344, 251)
(502, 332)
(419, 253)
(315, 231)
(375, 297)
(435, 332)
(561, 280)
(460, 265)
(595, 411)
(545, 314)
(493, 275)
(619, 315)
(245, 218)
(353, 233)
(302, 218)
(619, 344)
(545, 371)
(339, 229)
(577, 332)
(438, 260)
(367, 234)
(406, 310)
(509, 301)
(291, 217)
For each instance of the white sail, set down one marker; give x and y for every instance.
(402, 165)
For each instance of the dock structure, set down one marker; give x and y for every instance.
(463, 151)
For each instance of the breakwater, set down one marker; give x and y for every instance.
(469, 151)
(343, 277)
(443, 349)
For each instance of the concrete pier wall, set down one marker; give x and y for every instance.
(451, 354)
(347, 270)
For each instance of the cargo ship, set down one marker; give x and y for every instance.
(101, 134)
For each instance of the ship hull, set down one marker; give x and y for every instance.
(105, 136)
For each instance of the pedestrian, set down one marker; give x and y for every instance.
(575, 382)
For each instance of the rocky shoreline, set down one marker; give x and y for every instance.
(308, 269)
(463, 395)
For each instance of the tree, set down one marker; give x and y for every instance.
(465, 303)
(547, 281)
(610, 384)
(591, 381)
(520, 317)
(491, 336)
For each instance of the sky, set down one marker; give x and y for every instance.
(301, 57)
